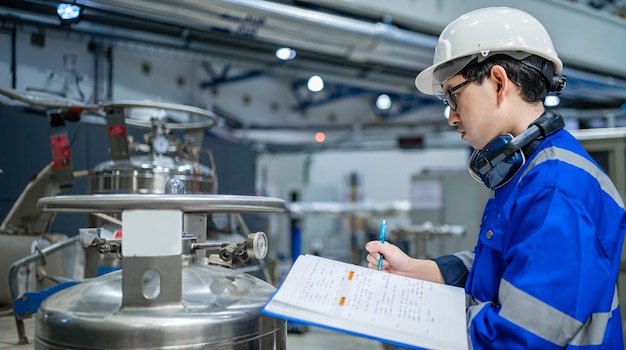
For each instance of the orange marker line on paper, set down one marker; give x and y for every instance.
(342, 301)
(350, 275)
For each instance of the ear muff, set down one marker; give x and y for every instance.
(499, 162)
(491, 176)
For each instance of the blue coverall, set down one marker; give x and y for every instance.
(543, 273)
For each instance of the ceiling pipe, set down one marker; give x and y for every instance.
(387, 50)
(286, 25)
(342, 37)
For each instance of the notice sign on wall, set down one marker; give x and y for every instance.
(427, 194)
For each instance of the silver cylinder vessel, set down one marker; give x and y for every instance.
(148, 174)
(160, 159)
(220, 310)
(166, 156)
(161, 301)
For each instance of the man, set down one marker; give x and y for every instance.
(543, 273)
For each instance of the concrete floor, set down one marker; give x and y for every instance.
(323, 339)
(313, 339)
(8, 332)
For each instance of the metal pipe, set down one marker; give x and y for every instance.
(286, 25)
(206, 245)
(15, 267)
(14, 56)
(109, 87)
(97, 69)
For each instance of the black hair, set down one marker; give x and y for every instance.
(532, 83)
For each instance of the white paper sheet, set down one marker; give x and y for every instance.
(371, 303)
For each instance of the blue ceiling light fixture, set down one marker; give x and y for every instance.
(69, 13)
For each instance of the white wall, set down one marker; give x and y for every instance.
(384, 176)
(44, 67)
(385, 173)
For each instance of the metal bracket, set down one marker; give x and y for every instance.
(140, 288)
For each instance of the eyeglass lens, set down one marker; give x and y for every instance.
(449, 94)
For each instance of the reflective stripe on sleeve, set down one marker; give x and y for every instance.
(555, 326)
(467, 257)
(471, 313)
(590, 334)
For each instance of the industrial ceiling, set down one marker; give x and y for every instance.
(361, 50)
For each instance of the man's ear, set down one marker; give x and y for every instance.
(501, 81)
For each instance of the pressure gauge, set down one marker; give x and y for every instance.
(160, 144)
(257, 245)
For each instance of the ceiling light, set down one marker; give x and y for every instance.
(320, 137)
(315, 83)
(552, 101)
(285, 53)
(69, 13)
(383, 102)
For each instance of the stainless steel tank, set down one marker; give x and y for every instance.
(220, 310)
(148, 174)
(163, 298)
(167, 157)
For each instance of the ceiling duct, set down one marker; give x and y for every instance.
(353, 52)
(378, 55)
(371, 47)
(286, 25)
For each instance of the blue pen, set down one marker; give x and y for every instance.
(383, 231)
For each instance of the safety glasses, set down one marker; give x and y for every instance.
(450, 94)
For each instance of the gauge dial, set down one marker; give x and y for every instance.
(160, 144)
(257, 245)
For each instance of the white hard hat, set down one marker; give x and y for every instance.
(483, 33)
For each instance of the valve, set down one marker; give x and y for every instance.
(223, 254)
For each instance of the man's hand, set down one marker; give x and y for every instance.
(397, 262)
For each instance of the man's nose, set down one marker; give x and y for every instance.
(453, 118)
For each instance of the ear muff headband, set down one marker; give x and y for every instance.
(501, 159)
(556, 82)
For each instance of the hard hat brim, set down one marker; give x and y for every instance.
(430, 80)
(424, 81)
